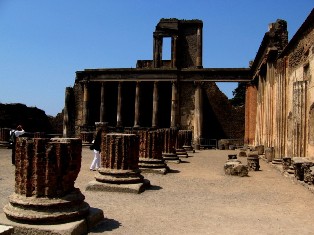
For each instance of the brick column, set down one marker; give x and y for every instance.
(198, 115)
(119, 105)
(169, 144)
(137, 106)
(199, 62)
(119, 165)
(102, 112)
(45, 174)
(173, 120)
(155, 106)
(85, 110)
(66, 117)
(150, 152)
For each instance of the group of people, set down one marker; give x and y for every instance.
(96, 146)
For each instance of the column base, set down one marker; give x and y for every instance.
(181, 153)
(149, 165)
(80, 227)
(171, 157)
(124, 188)
(45, 210)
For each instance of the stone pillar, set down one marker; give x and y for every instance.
(150, 152)
(174, 40)
(66, 116)
(180, 151)
(119, 165)
(187, 145)
(85, 110)
(119, 105)
(155, 106)
(137, 106)
(4, 135)
(45, 174)
(199, 62)
(170, 139)
(102, 112)
(198, 116)
(173, 120)
(157, 51)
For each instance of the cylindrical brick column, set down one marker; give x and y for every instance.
(45, 174)
(155, 106)
(102, 113)
(170, 139)
(180, 151)
(119, 105)
(119, 169)
(4, 135)
(66, 114)
(137, 105)
(173, 120)
(85, 119)
(187, 136)
(150, 152)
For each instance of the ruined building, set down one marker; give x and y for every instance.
(279, 99)
(159, 93)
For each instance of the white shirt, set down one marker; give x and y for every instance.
(18, 133)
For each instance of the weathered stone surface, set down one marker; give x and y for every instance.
(253, 161)
(119, 169)
(242, 153)
(286, 163)
(298, 163)
(235, 167)
(46, 170)
(269, 154)
(260, 149)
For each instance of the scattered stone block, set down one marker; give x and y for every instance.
(269, 154)
(260, 149)
(298, 167)
(242, 153)
(232, 156)
(286, 163)
(235, 167)
(253, 161)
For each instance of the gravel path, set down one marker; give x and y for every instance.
(195, 198)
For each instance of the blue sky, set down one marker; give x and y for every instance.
(44, 42)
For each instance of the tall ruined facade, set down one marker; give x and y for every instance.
(159, 93)
(279, 99)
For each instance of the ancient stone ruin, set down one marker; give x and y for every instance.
(119, 169)
(46, 170)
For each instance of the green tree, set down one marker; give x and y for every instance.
(239, 95)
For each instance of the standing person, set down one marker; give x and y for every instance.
(96, 147)
(13, 134)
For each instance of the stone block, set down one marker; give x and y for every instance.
(235, 167)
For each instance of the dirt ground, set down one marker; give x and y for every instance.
(195, 198)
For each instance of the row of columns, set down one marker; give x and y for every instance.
(174, 102)
(198, 108)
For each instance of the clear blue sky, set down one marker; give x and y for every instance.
(44, 42)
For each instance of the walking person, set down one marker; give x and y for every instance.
(96, 147)
(13, 135)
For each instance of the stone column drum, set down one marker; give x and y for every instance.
(119, 169)
(170, 139)
(180, 151)
(44, 182)
(150, 152)
(187, 136)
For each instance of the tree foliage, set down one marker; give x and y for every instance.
(239, 95)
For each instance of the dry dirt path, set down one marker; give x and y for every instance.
(196, 198)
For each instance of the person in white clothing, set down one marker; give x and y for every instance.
(96, 147)
(14, 134)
